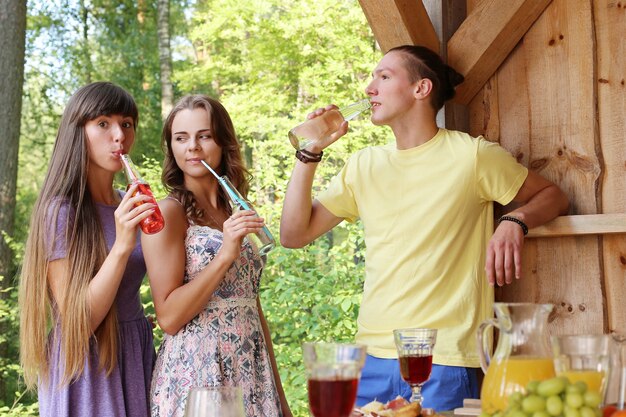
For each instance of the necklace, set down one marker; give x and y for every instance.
(217, 224)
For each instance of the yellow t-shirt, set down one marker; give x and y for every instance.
(427, 214)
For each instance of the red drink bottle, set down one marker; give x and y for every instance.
(155, 222)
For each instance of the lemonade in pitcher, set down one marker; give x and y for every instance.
(522, 354)
(510, 375)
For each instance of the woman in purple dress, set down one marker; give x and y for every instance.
(84, 339)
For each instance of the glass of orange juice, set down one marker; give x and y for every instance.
(584, 358)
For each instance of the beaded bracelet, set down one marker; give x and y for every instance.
(514, 220)
(306, 156)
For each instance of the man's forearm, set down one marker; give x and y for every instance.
(297, 206)
(544, 206)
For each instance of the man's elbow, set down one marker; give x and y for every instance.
(291, 242)
(563, 201)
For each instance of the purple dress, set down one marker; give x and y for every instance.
(125, 392)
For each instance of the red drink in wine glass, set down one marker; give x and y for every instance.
(415, 369)
(333, 372)
(415, 354)
(332, 397)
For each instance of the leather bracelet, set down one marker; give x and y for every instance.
(312, 154)
(306, 156)
(514, 220)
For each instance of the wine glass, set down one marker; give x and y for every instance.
(415, 354)
(214, 402)
(333, 371)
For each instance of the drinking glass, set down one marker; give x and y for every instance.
(214, 402)
(320, 128)
(333, 371)
(262, 241)
(415, 354)
(584, 358)
(620, 370)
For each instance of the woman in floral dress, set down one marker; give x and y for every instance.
(204, 275)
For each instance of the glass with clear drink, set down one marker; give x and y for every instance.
(321, 127)
(214, 402)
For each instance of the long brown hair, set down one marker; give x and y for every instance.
(65, 184)
(421, 62)
(232, 164)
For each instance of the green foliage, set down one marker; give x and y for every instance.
(270, 62)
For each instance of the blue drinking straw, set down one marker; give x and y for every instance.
(244, 205)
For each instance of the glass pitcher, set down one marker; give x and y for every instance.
(522, 355)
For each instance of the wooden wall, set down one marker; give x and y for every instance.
(558, 103)
(547, 80)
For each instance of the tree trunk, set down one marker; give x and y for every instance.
(165, 57)
(86, 51)
(13, 35)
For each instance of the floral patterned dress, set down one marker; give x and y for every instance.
(224, 345)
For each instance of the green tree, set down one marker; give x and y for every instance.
(13, 34)
(270, 62)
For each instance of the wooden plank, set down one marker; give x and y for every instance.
(610, 25)
(591, 224)
(569, 279)
(546, 102)
(400, 22)
(485, 39)
(560, 81)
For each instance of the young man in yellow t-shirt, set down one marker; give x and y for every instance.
(426, 204)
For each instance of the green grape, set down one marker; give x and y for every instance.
(587, 412)
(531, 387)
(541, 414)
(555, 397)
(552, 386)
(533, 403)
(573, 389)
(571, 412)
(516, 398)
(582, 386)
(516, 413)
(554, 405)
(592, 399)
(574, 400)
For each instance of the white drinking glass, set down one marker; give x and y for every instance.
(214, 402)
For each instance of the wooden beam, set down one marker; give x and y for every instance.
(446, 17)
(400, 22)
(588, 224)
(485, 39)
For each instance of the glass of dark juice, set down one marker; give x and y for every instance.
(415, 354)
(333, 372)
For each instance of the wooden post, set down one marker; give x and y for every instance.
(446, 16)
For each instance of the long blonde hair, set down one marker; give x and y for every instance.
(232, 164)
(65, 185)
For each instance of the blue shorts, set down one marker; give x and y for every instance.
(445, 389)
